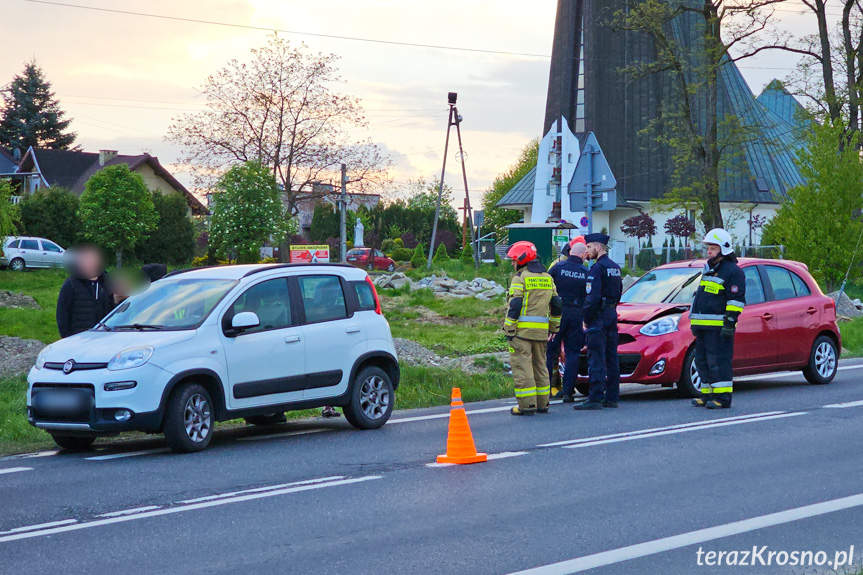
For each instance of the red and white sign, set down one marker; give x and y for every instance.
(310, 254)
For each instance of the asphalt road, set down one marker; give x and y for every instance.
(640, 489)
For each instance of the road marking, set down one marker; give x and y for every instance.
(128, 454)
(15, 469)
(657, 429)
(491, 457)
(40, 526)
(844, 405)
(130, 511)
(683, 430)
(183, 508)
(694, 537)
(781, 374)
(268, 488)
(285, 434)
(29, 455)
(446, 415)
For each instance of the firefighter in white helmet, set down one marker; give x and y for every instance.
(718, 302)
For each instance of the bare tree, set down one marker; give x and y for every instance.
(280, 109)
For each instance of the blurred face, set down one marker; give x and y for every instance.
(88, 262)
(713, 250)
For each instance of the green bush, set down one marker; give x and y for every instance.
(419, 259)
(399, 243)
(440, 256)
(387, 246)
(466, 256)
(402, 255)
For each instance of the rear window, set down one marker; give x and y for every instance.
(799, 285)
(365, 296)
(29, 245)
(323, 298)
(356, 253)
(13, 244)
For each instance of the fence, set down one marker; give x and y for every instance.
(647, 258)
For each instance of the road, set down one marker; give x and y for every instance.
(640, 489)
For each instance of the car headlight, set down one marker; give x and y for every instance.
(661, 326)
(129, 358)
(40, 359)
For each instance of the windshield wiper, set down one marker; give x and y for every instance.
(138, 326)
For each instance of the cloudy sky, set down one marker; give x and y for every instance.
(123, 78)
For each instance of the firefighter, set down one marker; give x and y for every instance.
(718, 302)
(570, 279)
(600, 319)
(533, 313)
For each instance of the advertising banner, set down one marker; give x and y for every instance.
(310, 254)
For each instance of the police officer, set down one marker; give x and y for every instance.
(533, 312)
(718, 302)
(570, 278)
(600, 319)
(564, 253)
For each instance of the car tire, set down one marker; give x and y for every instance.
(689, 384)
(391, 268)
(189, 421)
(17, 265)
(823, 360)
(73, 443)
(264, 420)
(371, 399)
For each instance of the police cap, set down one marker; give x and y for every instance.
(599, 238)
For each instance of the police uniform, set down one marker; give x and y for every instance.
(533, 312)
(720, 298)
(604, 286)
(570, 278)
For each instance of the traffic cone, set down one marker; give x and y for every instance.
(460, 448)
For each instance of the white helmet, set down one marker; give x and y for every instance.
(721, 238)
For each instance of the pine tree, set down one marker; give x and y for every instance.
(31, 114)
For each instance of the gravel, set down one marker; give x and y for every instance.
(18, 355)
(14, 300)
(412, 353)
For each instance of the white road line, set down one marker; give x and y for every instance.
(40, 526)
(446, 415)
(29, 455)
(656, 429)
(182, 508)
(491, 457)
(684, 430)
(285, 434)
(694, 537)
(128, 454)
(15, 469)
(130, 511)
(260, 489)
(844, 405)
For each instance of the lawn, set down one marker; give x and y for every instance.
(43, 286)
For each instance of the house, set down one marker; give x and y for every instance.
(44, 168)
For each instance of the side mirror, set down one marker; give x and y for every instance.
(244, 320)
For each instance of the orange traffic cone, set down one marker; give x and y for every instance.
(460, 448)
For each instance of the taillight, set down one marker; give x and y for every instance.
(375, 293)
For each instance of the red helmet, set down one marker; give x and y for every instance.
(522, 252)
(577, 240)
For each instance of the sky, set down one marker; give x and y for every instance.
(123, 78)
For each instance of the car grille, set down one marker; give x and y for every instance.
(628, 363)
(75, 367)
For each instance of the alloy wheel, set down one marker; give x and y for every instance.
(374, 397)
(694, 377)
(198, 418)
(825, 359)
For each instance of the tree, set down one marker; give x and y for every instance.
(325, 223)
(690, 123)
(640, 226)
(8, 213)
(116, 210)
(680, 226)
(32, 115)
(496, 219)
(52, 213)
(819, 223)
(418, 260)
(422, 196)
(466, 256)
(247, 213)
(280, 109)
(440, 256)
(173, 240)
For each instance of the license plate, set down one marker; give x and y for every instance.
(61, 402)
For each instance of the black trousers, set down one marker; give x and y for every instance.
(602, 365)
(714, 357)
(571, 337)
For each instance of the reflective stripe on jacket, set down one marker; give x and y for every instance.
(533, 306)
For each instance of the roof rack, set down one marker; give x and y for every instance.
(267, 267)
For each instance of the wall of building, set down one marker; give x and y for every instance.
(157, 183)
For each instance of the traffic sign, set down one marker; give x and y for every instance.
(603, 201)
(583, 221)
(596, 172)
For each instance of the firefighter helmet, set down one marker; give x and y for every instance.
(721, 238)
(577, 240)
(522, 252)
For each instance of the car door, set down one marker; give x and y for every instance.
(380, 260)
(266, 364)
(52, 253)
(796, 314)
(334, 337)
(756, 326)
(31, 252)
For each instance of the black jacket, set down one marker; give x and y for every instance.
(721, 295)
(604, 286)
(82, 304)
(570, 277)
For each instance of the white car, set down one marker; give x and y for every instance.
(22, 252)
(220, 343)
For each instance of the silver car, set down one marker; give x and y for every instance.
(22, 252)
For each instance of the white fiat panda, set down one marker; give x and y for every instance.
(219, 343)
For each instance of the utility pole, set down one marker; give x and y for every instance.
(343, 217)
(468, 218)
(452, 97)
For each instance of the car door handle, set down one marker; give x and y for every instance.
(811, 310)
(292, 339)
(767, 316)
(353, 329)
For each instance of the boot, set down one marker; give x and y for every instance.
(587, 406)
(612, 404)
(519, 411)
(569, 399)
(542, 410)
(698, 402)
(713, 404)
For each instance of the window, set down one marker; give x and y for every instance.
(29, 245)
(780, 281)
(268, 300)
(754, 287)
(13, 244)
(365, 297)
(50, 247)
(323, 298)
(799, 285)
(379, 254)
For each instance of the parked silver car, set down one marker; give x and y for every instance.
(22, 252)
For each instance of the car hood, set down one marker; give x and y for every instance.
(645, 312)
(101, 346)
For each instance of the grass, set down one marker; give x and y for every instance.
(16, 435)
(456, 270)
(852, 337)
(43, 286)
(428, 386)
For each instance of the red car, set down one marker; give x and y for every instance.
(370, 259)
(787, 324)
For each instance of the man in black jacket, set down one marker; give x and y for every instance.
(84, 298)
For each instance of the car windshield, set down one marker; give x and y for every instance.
(670, 285)
(177, 304)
